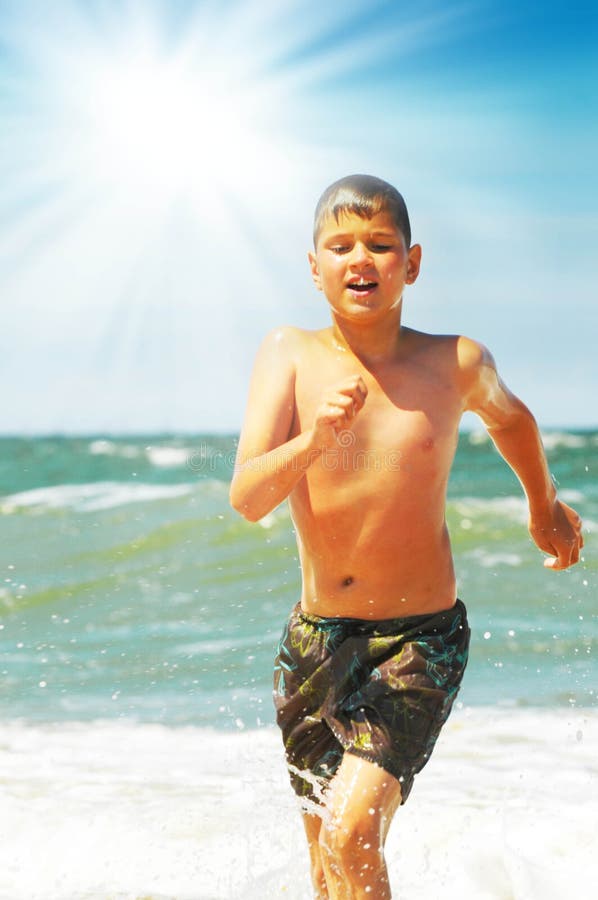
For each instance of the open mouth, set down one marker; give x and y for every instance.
(362, 287)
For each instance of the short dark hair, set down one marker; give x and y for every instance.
(365, 196)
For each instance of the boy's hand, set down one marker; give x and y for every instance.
(557, 532)
(337, 410)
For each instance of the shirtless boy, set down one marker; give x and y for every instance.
(357, 425)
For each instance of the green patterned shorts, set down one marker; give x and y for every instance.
(381, 690)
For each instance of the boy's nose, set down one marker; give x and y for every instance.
(361, 254)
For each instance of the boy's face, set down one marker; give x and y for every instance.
(362, 265)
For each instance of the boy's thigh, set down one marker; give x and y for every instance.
(362, 798)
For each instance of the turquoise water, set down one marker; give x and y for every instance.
(131, 589)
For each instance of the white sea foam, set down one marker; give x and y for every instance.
(477, 437)
(90, 497)
(590, 526)
(489, 560)
(506, 810)
(160, 455)
(168, 457)
(511, 508)
(102, 447)
(570, 495)
(554, 439)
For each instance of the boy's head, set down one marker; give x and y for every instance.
(364, 196)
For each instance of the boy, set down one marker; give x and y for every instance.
(357, 425)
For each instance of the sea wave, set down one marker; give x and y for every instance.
(552, 440)
(169, 457)
(514, 509)
(201, 454)
(488, 560)
(190, 813)
(91, 497)
(478, 437)
(104, 447)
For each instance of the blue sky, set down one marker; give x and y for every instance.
(160, 162)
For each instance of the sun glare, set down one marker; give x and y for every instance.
(162, 123)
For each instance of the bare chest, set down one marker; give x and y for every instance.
(409, 420)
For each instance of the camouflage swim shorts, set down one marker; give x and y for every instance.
(381, 690)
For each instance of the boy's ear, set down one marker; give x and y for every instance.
(315, 272)
(413, 263)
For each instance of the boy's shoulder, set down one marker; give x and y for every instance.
(455, 356)
(293, 334)
(292, 340)
(457, 350)
(454, 359)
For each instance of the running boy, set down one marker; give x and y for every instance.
(357, 425)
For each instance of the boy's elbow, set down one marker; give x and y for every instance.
(513, 418)
(239, 503)
(251, 515)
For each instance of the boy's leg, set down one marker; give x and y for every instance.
(312, 824)
(361, 803)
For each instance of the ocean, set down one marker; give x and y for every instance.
(138, 621)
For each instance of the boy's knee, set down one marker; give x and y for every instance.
(349, 839)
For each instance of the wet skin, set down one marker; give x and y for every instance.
(357, 425)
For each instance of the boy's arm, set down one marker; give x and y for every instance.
(554, 526)
(269, 464)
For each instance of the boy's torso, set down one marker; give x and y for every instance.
(370, 514)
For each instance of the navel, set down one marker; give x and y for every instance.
(347, 581)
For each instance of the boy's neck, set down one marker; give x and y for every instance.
(372, 344)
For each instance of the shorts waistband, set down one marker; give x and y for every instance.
(382, 626)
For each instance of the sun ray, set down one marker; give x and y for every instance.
(161, 159)
(143, 145)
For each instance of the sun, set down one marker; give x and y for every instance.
(173, 122)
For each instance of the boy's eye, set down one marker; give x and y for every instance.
(381, 248)
(340, 248)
